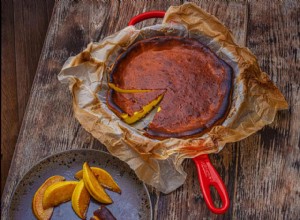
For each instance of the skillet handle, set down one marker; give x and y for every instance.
(146, 15)
(208, 176)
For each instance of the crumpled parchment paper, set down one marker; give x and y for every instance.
(255, 98)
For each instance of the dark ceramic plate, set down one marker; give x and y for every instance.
(133, 203)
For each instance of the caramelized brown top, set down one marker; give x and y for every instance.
(198, 83)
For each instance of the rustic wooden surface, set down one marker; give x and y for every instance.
(262, 172)
(24, 27)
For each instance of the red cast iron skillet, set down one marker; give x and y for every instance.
(207, 174)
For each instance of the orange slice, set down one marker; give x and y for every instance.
(133, 104)
(80, 200)
(141, 113)
(93, 186)
(118, 89)
(58, 193)
(37, 202)
(103, 177)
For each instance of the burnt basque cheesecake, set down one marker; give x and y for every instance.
(190, 83)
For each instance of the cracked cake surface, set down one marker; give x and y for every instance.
(197, 84)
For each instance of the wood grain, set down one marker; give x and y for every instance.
(260, 172)
(24, 27)
(9, 103)
(271, 158)
(31, 19)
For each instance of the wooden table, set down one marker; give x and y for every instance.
(262, 172)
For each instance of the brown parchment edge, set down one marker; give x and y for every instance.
(158, 162)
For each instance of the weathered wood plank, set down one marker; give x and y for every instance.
(24, 28)
(59, 48)
(9, 103)
(269, 172)
(41, 134)
(261, 172)
(31, 23)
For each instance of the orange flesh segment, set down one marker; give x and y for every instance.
(103, 177)
(37, 205)
(140, 114)
(93, 186)
(80, 200)
(117, 89)
(58, 193)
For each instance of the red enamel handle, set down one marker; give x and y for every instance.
(146, 15)
(208, 176)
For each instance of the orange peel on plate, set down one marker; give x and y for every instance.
(93, 186)
(37, 206)
(58, 193)
(80, 200)
(103, 177)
